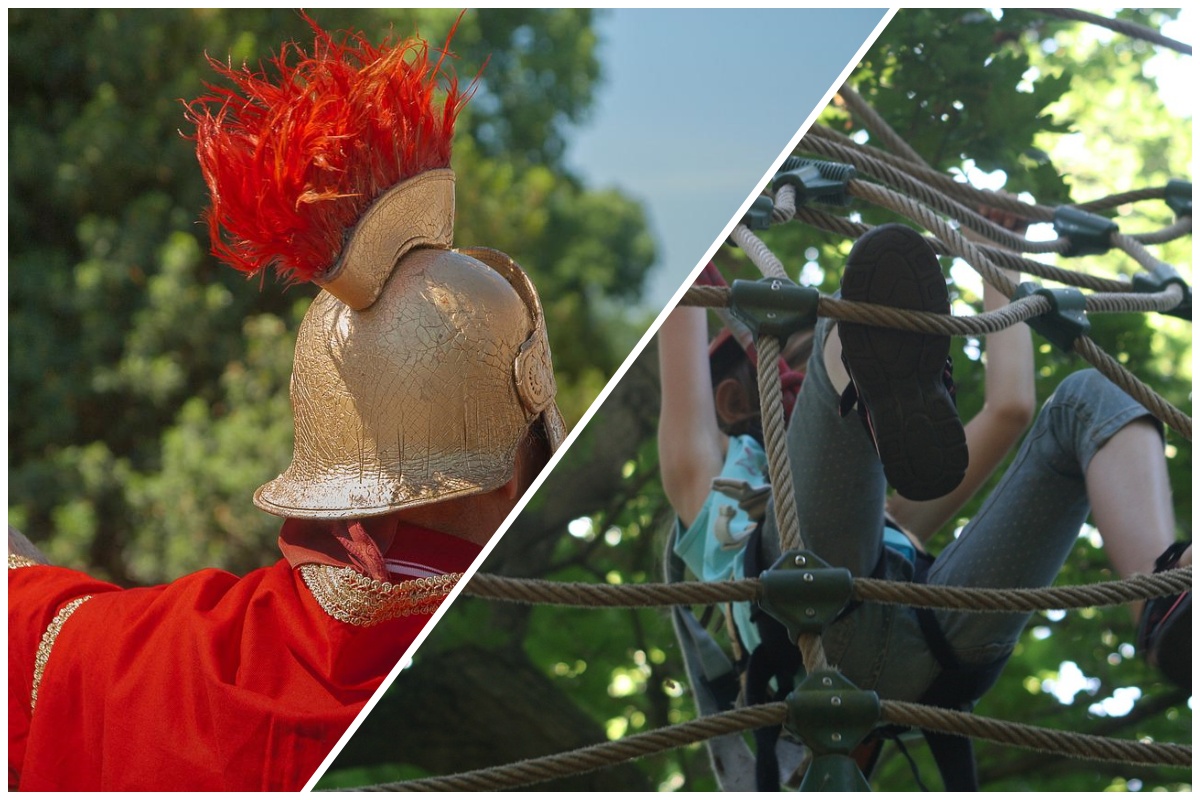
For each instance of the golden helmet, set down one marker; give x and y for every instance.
(418, 370)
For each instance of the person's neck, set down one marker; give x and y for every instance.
(474, 518)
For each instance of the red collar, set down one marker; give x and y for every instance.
(367, 545)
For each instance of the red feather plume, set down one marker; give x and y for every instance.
(292, 164)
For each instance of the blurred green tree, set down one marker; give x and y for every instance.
(1067, 114)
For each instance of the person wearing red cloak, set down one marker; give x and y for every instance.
(423, 402)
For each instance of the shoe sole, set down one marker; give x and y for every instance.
(898, 374)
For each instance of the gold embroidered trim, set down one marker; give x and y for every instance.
(48, 638)
(16, 562)
(351, 597)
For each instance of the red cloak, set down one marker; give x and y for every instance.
(208, 683)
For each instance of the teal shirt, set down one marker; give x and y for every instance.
(714, 545)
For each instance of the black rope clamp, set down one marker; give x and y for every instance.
(831, 716)
(816, 181)
(1157, 280)
(1179, 197)
(1088, 234)
(774, 306)
(758, 216)
(1067, 319)
(804, 593)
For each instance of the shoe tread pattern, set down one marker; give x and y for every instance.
(899, 374)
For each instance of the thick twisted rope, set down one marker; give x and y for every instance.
(1107, 365)
(922, 197)
(964, 192)
(775, 440)
(980, 324)
(761, 256)
(937, 194)
(1124, 198)
(629, 595)
(880, 165)
(1032, 737)
(774, 428)
(993, 321)
(953, 598)
(960, 598)
(1006, 258)
(587, 759)
(949, 325)
(925, 194)
(1133, 386)
(1176, 230)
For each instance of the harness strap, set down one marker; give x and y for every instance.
(775, 657)
(957, 687)
(715, 684)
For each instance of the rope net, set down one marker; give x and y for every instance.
(947, 208)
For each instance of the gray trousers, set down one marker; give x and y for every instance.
(1019, 539)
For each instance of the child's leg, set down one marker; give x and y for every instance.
(1131, 498)
(1091, 435)
(840, 469)
(839, 483)
(840, 493)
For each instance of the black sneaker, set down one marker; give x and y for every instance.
(1165, 631)
(900, 376)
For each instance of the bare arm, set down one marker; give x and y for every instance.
(1009, 400)
(691, 447)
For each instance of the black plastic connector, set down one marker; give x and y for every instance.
(1089, 234)
(804, 593)
(1179, 197)
(1065, 322)
(816, 181)
(758, 216)
(774, 306)
(832, 716)
(1157, 280)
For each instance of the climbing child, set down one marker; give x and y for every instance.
(1084, 445)
(694, 447)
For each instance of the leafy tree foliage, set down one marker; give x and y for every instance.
(1067, 115)
(148, 383)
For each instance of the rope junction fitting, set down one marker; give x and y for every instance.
(873, 590)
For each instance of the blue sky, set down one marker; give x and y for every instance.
(697, 104)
